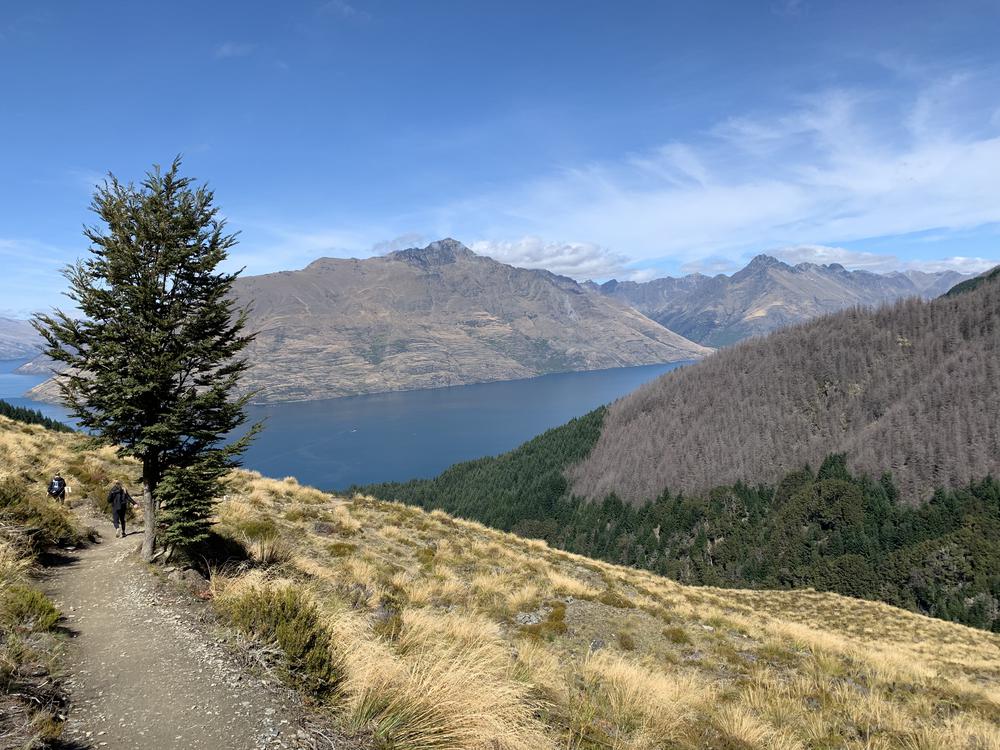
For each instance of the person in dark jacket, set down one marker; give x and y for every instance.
(120, 502)
(57, 488)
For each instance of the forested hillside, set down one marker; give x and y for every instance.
(31, 416)
(909, 388)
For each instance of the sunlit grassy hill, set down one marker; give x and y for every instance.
(423, 631)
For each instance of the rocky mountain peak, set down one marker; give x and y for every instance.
(437, 253)
(760, 264)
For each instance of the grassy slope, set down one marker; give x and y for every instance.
(446, 634)
(29, 523)
(430, 612)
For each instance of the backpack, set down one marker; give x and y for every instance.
(55, 486)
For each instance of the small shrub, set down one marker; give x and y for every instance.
(299, 513)
(614, 598)
(425, 556)
(676, 634)
(626, 641)
(554, 624)
(286, 617)
(12, 492)
(341, 549)
(257, 528)
(26, 610)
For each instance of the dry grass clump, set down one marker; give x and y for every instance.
(639, 706)
(427, 702)
(280, 614)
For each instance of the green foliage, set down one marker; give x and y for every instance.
(12, 492)
(554, 623)
(153, 363)
(287, 618)
(31, 416)
(616, 599)
(969, 285)
(676, 634)
(26, 610)
(341, 549)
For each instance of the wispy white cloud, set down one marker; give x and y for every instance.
(838, 166)
(878, 262)
(36, 266)
(266, 246)
(710, 266)
(234, 49)
(579, 260)
(344, 9)
(401, 242)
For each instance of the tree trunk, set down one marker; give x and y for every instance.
(149, 517)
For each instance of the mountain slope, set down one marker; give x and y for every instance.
(910, 388)
(18, 339)
(767, 295)
(431, 317)
(441, 633)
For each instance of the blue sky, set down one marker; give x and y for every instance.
(597, 139)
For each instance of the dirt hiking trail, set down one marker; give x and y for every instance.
(148, 670)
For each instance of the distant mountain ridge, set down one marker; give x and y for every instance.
(766, 295)
(18, 339)
(435, 316)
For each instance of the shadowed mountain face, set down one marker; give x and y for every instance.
(767, 295)
(18, 339)
(909, 388)
(436, 316)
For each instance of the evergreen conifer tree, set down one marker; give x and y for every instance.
(153, 364)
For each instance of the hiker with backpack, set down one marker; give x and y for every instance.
(120, 502)
(58, 488)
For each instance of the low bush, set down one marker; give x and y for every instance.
(12, 492)
(341, 549)
(284, 616)
(676, 634)
(613, 598)
(26, 610)
(554, 624)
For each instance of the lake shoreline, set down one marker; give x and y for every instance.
(401, 435)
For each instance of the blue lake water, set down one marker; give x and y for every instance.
(396, 436)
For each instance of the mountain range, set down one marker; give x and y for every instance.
(766, 295)
(442, 315)
(18, 339)
(431, 317)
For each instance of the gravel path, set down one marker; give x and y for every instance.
(146, 670)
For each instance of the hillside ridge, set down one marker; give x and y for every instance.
(909, 388)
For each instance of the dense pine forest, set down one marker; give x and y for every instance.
(31, 416)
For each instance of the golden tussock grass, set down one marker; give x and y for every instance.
(441, 628)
